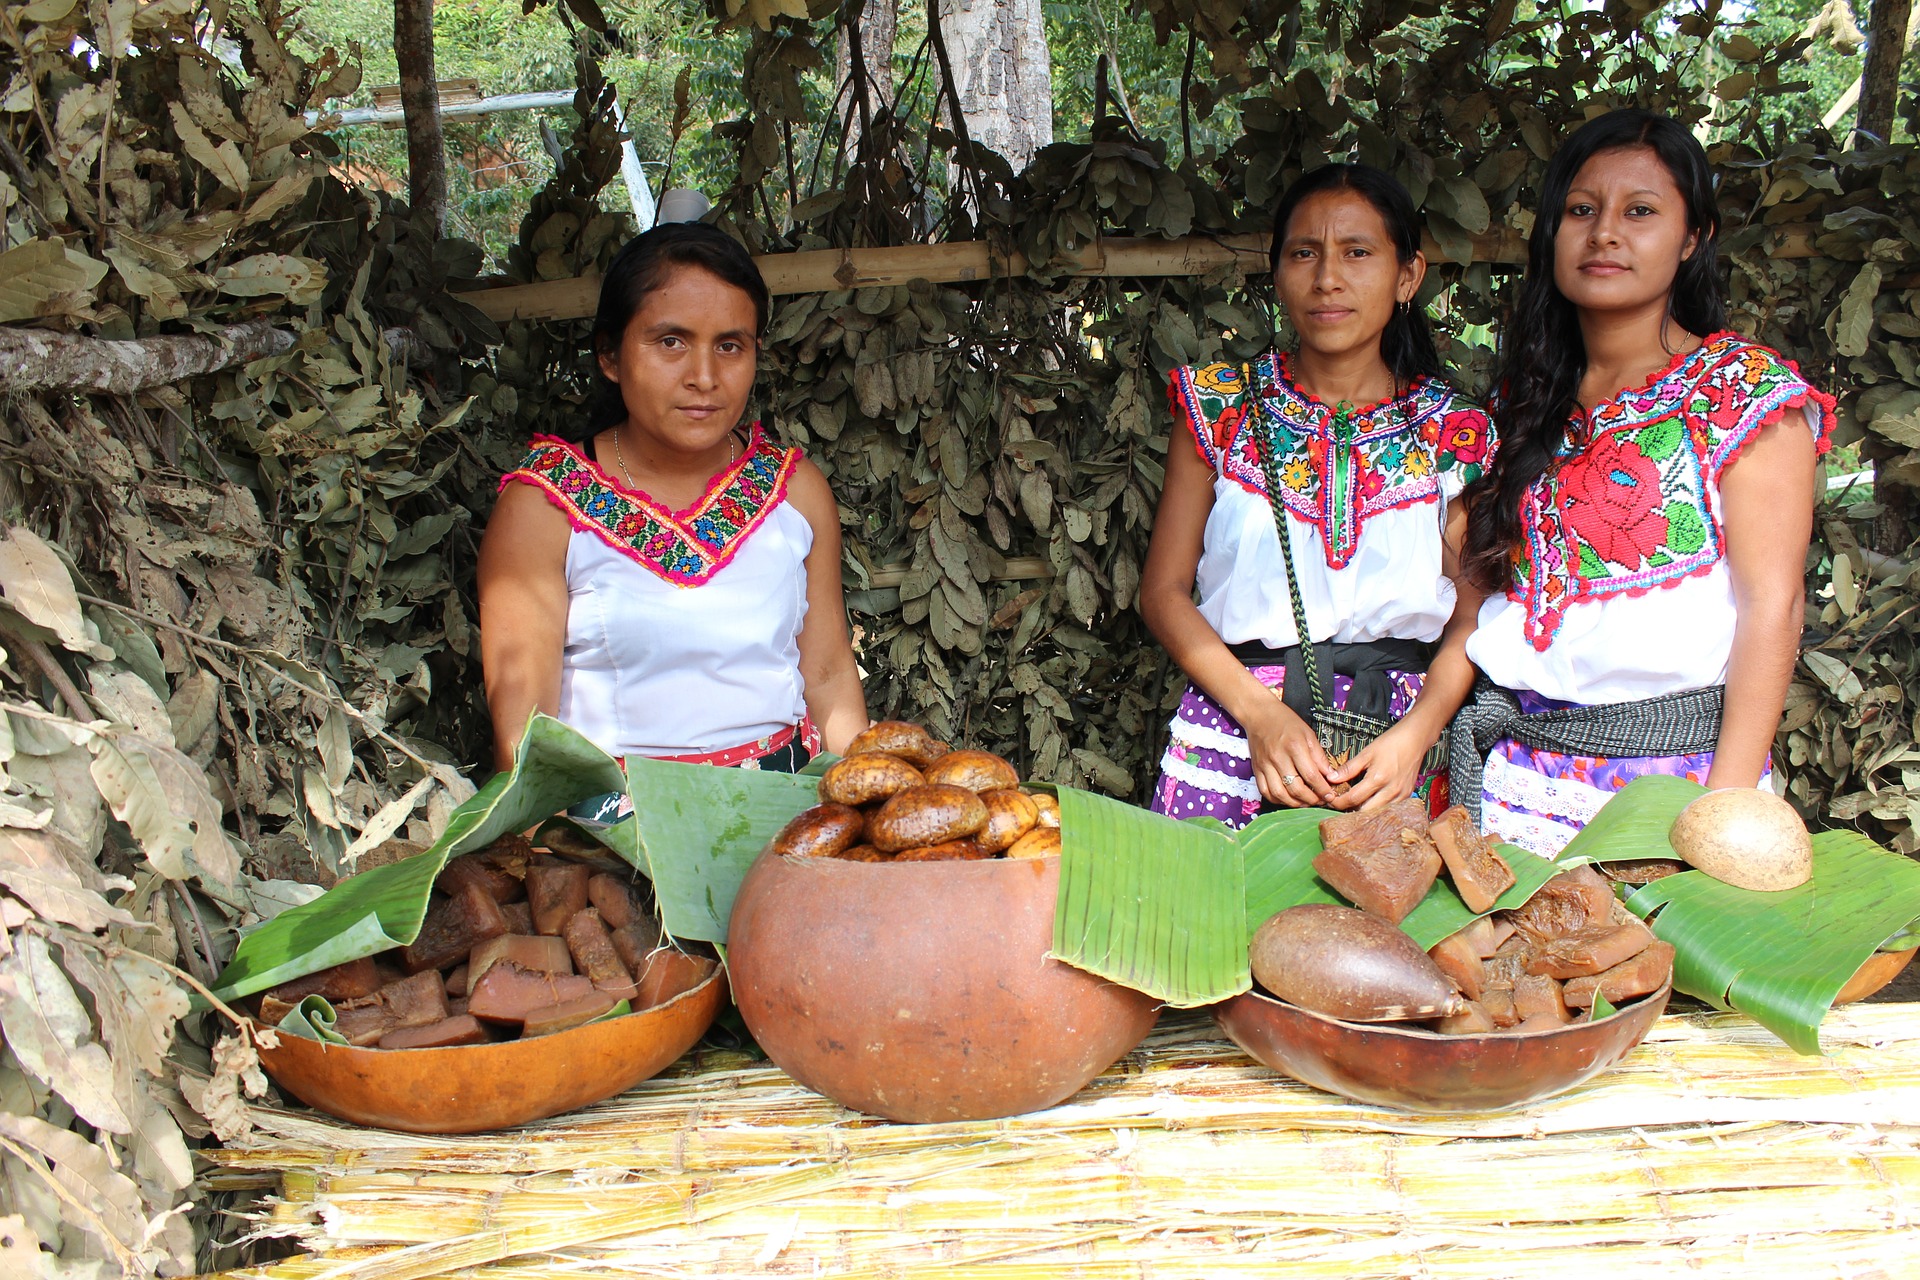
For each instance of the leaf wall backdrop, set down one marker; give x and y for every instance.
(236, 608)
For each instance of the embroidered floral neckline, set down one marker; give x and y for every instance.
(1336, 467)
(686, 547)
(1283, 373)
(1583, 416)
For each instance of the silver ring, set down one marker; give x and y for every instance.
(1289, 779)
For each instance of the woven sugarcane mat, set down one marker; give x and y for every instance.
(1711, 1150)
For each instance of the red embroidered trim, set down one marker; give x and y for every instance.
(686, 548)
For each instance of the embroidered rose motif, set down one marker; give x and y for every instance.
(602, 506)
(1612, 502)
(1226, 425)
(572, 481)
(1464, 436)
(631, 525)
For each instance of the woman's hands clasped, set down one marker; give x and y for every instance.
(1290, 766)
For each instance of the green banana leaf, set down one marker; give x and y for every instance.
(1634, 823)
(1148, 902)
(381, 909)
(1780, 958)
(697, 829)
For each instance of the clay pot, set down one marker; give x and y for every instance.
(1879, 969)
(922, 991)
(1410, 1069)
(475, 1088)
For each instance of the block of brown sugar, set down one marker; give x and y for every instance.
(1457, 959)
(452, 929)
(457, 980)
(410, 1002)
(569, 1014)
(635, 941)
(457, 1030)
(529, 951)
(519, 917)
(1641, 976)
(555, 890)
(477, 871)
(669, 973)
(1536, 996)
(1479, 874)
(1571, 901)
(610, 897)
(1381, 861)
(350, 981)
(274, 1010)
(594, 955)
(507, 993)
(1591, 951)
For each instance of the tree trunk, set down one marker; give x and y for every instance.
(1887, 30)
(878, 21)
(1002, 74)
(420, 99)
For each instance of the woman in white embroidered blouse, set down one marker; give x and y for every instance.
(669, 582)
(1644, 530)
(1370, 521)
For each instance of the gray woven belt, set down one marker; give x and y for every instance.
(1673, 724)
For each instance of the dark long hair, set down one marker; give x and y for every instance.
(645, 265)
(1407, 344)
(1542, 355)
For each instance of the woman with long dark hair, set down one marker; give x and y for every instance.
(667, 580)
(1643, 532)
(1310, 497)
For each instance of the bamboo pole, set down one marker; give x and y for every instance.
(827, 270)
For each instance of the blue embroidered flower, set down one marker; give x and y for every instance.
(603, 506)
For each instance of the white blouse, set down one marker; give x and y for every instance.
(683, 628)
(1621, 589)
(1366, 493)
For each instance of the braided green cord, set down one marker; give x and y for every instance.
(1267, 447)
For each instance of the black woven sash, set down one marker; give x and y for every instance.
(1367, 662)
(1673, 724)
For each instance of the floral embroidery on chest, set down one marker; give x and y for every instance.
(1628, 505)
(1337, 466)
(686, 548)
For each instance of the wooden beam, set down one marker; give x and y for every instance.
(827, 270)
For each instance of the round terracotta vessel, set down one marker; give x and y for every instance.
(922, 991)
(1880, 969)
(1415, 1070)
(475, 1088)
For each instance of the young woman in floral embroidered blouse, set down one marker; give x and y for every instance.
(1371, 523)
(669, 583)
(1644, 529)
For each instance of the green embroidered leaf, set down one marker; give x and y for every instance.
(1591, 565)
(1686, 532)
(1661, 440)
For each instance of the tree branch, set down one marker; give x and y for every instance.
(39, 359)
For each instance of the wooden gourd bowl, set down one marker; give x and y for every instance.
(922, 991)
(480, 1087)
(1412, 1069)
